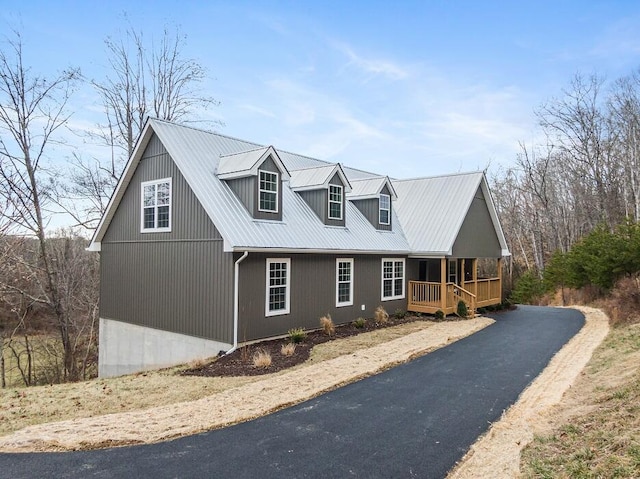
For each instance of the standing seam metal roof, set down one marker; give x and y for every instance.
(426, 217)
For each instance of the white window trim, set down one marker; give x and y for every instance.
(350, 302)
(277, 192)
(381, 209)
(330, 201)
(382, 279)
(287, 285)
(156, 230)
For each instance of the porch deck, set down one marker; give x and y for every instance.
(426, 297)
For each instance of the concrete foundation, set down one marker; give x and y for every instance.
(126, 348)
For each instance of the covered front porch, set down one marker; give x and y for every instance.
(444, 282)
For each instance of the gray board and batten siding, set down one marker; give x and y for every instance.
(318, 201)
(180, 281)
(370, 208)
(246, 189)
(477, 236)
(313, 293)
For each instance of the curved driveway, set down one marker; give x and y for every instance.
(415, 420)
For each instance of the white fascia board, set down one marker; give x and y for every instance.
(235, 174)
(95, 246)
(240, 249)
(493, 213)
(271, 151)
(123, 183)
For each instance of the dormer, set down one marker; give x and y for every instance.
(374, 198)
(256, 177)
(324, 189)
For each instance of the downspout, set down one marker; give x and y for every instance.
(236, 300)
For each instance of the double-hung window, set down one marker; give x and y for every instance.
(344, 282)
(156, 206)
(392, 279)
(384, 209)
(278, 286)
(335, 202)
(268, 191)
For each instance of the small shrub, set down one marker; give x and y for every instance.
(197, 363)
(381, 316)
(360, 323)
(288, 349)
(462, 310)
(245, 353)
(400, 313)
(326, 323)
(261, 359)
(297, 335)
(439, 314)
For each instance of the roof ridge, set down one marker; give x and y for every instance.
(245, 151)
(439, 176)
(333, 165)
(202, 130)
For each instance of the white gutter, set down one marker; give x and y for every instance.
(236, 300)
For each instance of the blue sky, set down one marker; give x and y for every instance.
(403, 88)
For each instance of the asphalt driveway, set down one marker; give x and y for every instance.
(415, 420)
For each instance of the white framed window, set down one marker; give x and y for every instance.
(384, 209)
(268, 191)
(278, 286)
(344, 282)
(392, 278)
(155, 206)
(335, 202)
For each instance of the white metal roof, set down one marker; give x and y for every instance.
(431, 210)
(244, 163)
(317, 177)
(426, 216)
(366, 188)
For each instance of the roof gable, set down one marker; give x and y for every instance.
(368, 188)
(432, 210)
(247, 163)
(318, 177)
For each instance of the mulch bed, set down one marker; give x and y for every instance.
(240, 362)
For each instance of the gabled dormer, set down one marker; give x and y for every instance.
(256, 177)
(374, 198)
(324, 189)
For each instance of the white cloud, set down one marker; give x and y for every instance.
(374, 66)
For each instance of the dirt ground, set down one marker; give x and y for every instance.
(495, 455)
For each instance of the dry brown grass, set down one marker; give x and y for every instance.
(326, 323)
(623, 304)
(380, 315)
(288, 349)
(600, 433)
(21, 407)
(261, 359)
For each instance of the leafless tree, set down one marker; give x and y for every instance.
(144, 79)
(32, 110)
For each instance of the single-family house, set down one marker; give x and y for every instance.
(209, 241)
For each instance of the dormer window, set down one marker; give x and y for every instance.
(335, 202)
(268, 191)
(384, 209)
